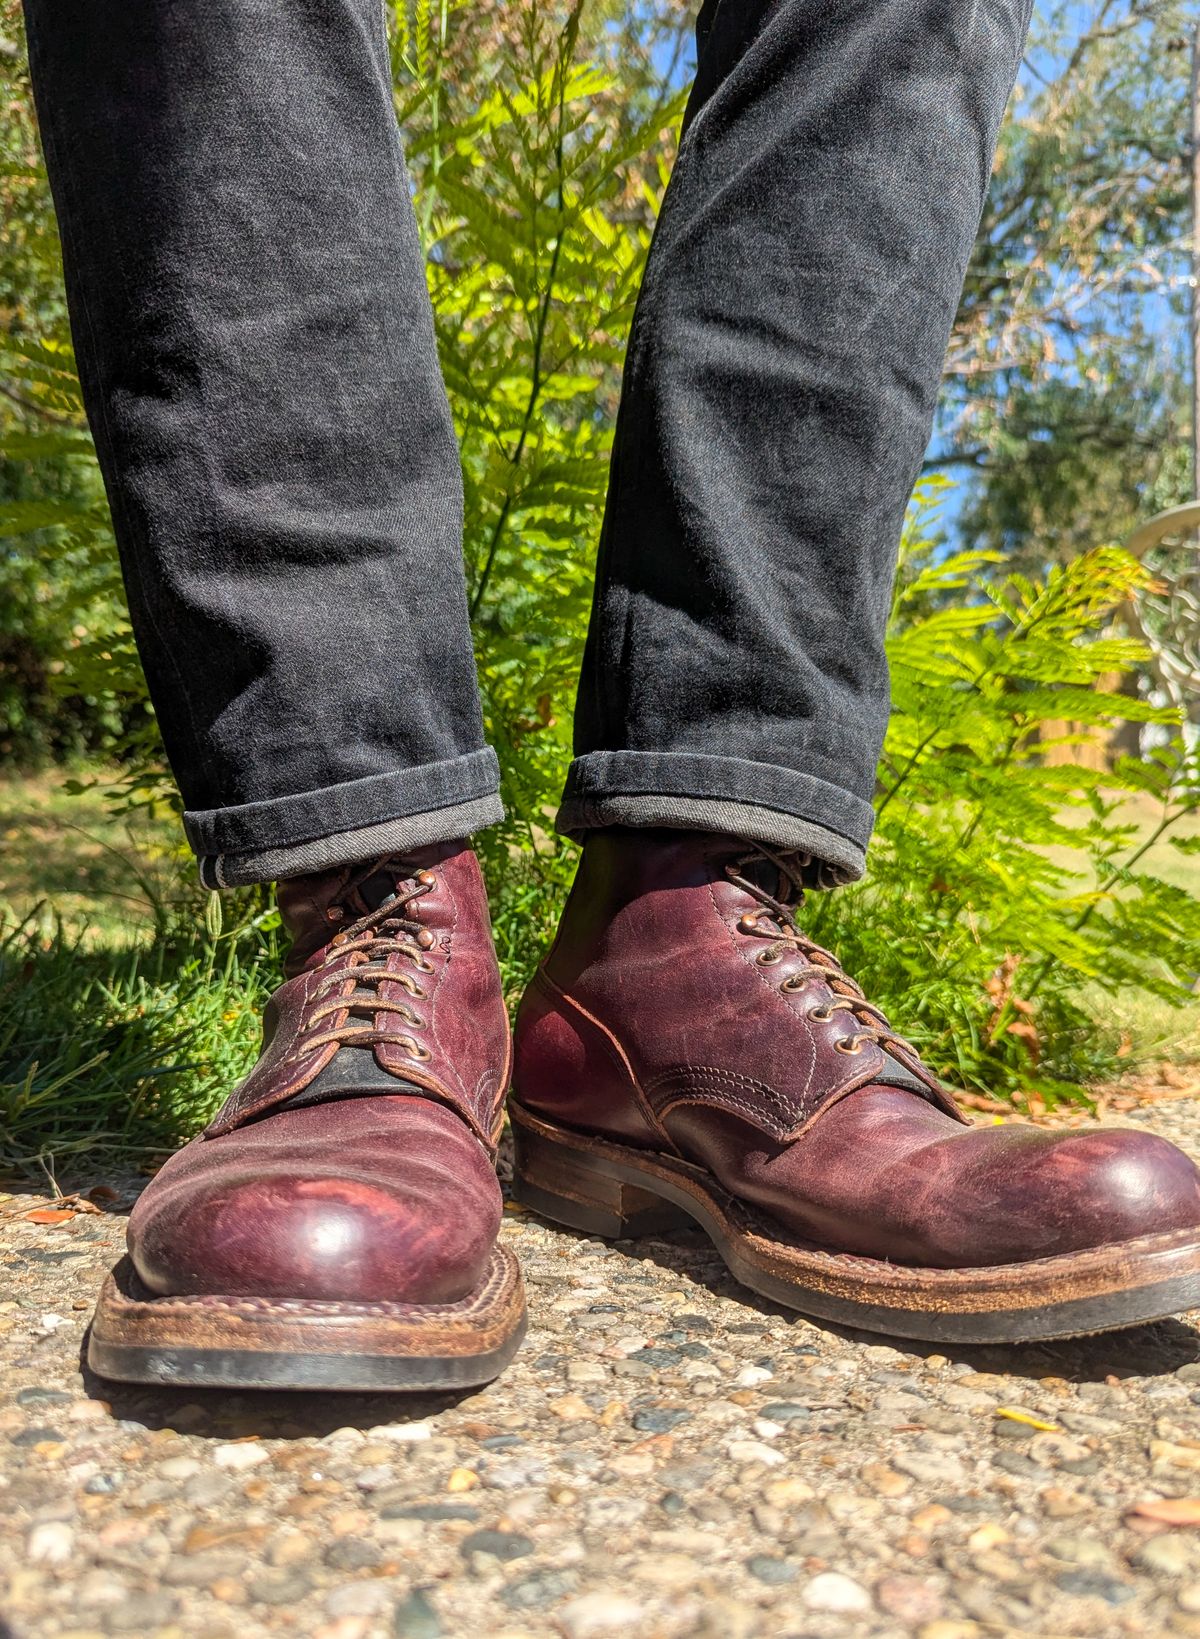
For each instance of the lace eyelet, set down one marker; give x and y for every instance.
(820, 1015)
(419, 1053)
(848, 1045)
(748, 922)
(767, 959)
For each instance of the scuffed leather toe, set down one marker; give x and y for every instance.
(1097, 1187)
(371, 1199)
(886, 1177)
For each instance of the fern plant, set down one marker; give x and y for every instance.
(1006, 878)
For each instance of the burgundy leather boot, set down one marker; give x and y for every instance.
(685, 1052)
(335, 1225)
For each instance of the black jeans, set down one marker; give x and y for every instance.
(257, 354)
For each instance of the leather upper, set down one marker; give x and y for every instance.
(355, 1162)
(682, 1009)
(413, 979)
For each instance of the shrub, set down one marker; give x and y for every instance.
(1002, 882)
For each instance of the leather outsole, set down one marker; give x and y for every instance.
(619, 1192)
(241, 1342)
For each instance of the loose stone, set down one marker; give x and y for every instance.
(767, 1569)
(831, 1591)
(415, 1618)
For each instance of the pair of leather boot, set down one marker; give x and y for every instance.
(685, 1054)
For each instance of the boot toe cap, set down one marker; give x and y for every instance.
(403, 1207)
(1119, 1184)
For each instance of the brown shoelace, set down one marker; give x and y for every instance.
(776, 922)
(365, 946)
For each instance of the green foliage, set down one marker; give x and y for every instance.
(1066, 394)
(124, 1051)
(1006, 881)
(1007, 877)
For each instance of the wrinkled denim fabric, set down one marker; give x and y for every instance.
(256, 349)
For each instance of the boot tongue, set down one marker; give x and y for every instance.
(894, 1074)
(782, 885)
(314, 907)
(371, 891)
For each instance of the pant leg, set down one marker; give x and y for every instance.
(256, 348)
(779, 392)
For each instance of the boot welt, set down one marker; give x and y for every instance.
(292, 1343)
(616, 1191)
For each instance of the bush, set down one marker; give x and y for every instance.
(537, 172)
(1004, 880)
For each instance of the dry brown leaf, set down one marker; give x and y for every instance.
(1169, 1511)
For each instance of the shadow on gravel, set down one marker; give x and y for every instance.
(1140, 1351)
(277, 1414)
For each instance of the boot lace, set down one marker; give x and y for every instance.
(775, 921)
(364, 948)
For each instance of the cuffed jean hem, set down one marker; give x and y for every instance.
(398, 836)
(776, 806)
(283, 824)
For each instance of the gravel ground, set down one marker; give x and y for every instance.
(667, 1457)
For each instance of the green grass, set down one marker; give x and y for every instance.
(124, 1022)
(1150, 1029)
(67, 859)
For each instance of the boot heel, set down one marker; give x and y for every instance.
(567, 1186)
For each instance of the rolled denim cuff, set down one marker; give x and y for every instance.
(731, 795)
(342, 824)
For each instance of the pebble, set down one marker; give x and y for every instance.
(239, 1457)
(766, 1568)
(501, 1545)
(908, 1599)
(279, 1587)
(1092, 1584)
(751, 1376)
(1170, 1555)
(50, 1544)
(596, 1615)
(660, 1420)
(357, 1599)
(535, 1592)
(930, 1470)
(831, 1591)
(415, 1618)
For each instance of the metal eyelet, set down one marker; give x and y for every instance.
(848, 1045)
(419, 1053)
(748, 922)
(820, 1015)
(767, 959)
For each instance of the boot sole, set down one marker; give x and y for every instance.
(286, 1343)
(617, 1192)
